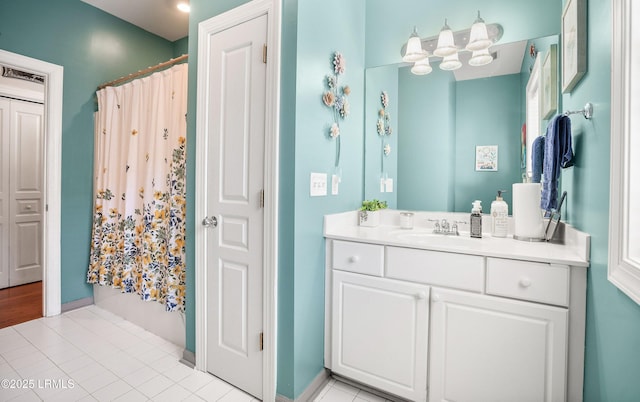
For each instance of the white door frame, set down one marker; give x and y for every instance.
(52, 190)
(206, 30)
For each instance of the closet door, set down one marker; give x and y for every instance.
(5, 113)
(26, 190)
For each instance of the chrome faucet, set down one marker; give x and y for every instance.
(444, 227)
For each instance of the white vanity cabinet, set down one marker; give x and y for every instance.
(486, 348)
(380, 333)
(429, 324)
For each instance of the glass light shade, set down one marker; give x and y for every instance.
(480, 58)
(450, 62)
(446, 45)
(422, 67)
(414, 50)
(184, 7)
(478, 38)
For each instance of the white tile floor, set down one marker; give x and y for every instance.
(90, 354)
(336, 391)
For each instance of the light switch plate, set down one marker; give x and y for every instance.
(318, 185)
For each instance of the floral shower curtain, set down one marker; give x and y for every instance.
(138, 236)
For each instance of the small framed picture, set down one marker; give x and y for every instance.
(486, 158)
(574, 44)
(550, 83)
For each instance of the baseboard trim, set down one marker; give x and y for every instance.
(76, 304)
(312, 391)
(188, 358)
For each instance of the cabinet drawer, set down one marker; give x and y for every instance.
(458, 271)
(534, 281)
(358, 257)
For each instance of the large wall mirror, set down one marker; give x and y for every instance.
(439, 119)
(624, 223)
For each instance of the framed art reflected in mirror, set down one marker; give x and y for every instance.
(549, 101)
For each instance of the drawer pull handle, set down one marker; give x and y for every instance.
(436, 298)
(354, 259)
(525, 282)
(421, 296)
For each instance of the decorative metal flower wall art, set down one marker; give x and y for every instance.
(335, 97)
(384, 125)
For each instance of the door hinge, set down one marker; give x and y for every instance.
(261, 340)
(262, 198)
(264, 53)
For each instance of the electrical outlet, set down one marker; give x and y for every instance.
(389, 185)
(335, 182)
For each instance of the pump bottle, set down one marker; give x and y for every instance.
(476, 219)
(499, 216)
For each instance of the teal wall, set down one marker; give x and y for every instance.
(495, 120)
(181, 46)
(286, 366)
(342, 26)
(384, 78)
(426, 140)
(612, 364)
(93, 47)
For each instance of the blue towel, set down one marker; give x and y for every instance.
(557, 154)
(537, 157)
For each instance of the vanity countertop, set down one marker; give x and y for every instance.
(571, 249)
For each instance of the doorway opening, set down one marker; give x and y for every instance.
(21, 195)
(50, 202)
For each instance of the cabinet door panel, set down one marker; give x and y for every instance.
(380, 329)
(485, 348)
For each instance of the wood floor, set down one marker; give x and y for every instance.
(20, 304)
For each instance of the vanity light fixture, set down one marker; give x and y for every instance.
(479, 37)
(414, 51)
(480, 58)
(422, 67)
(184, 6)
(451, 62)
(446, 44)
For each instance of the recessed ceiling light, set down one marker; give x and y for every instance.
(184, 7)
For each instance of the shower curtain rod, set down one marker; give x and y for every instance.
(143, 72)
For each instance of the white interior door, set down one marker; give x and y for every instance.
(21, 192)
(26, 186)
(235, 170)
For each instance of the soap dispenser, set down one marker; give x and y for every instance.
(499, 215)
(476, 219)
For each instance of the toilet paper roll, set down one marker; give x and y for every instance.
(527, 214)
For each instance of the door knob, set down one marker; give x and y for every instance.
(210, 222)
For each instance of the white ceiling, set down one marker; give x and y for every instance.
(160, 17)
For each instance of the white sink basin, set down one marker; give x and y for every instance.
(425, 236)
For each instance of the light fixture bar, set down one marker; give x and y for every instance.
(494, 31)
